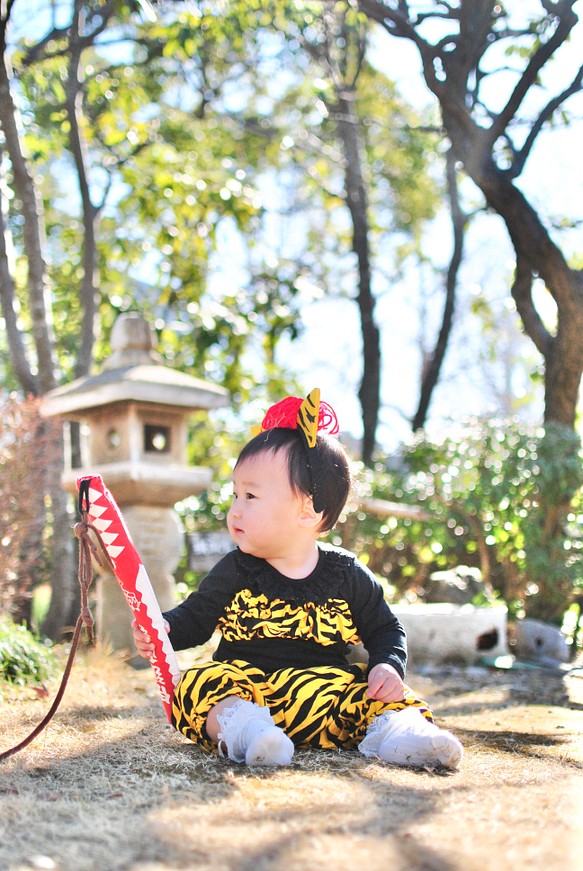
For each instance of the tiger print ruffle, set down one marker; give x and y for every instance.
(251, 616)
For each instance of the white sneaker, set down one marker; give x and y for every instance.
(408, 738)
(251, 736)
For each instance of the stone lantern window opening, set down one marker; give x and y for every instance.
(156, 439)
(113, 439)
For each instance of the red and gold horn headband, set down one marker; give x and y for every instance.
(310, 416)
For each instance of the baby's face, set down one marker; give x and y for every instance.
(265, 511)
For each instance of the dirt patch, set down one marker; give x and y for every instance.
(109, 785)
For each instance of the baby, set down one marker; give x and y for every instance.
(288, 607)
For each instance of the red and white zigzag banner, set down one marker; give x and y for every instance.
(133, 579)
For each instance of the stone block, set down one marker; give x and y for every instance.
(444, 632)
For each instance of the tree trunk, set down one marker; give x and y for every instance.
(33, 231)
(64, 577)
(22, 370)
(432, 370)
(41, 317)
(370, 387)
(90, 212)
(538, 256)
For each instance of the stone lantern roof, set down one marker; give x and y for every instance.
(134, 372)
(135, 412)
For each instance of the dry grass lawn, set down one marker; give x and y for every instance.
(109, 786)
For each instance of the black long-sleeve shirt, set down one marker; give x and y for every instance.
(275, 622)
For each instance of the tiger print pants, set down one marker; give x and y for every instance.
(322, 707)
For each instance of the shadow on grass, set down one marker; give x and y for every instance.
(150, 797)
(519, 744)
(460, 694)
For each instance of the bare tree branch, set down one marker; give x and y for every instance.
(399, 24)
(101, 15)
(564, 26)
(537, 125)
(37, 51)
(522, 295)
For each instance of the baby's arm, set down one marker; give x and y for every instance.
(385, 683)
(142, 640)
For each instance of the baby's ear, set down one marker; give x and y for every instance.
(308, 516)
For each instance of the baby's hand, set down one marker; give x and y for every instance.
(385, 683)
(143, 641)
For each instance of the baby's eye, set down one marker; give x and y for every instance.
(249, 496)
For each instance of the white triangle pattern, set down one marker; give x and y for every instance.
(114, 551)
(102, 523)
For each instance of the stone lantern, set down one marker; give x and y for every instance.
(135, 414)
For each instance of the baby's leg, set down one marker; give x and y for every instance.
(246, 732)
(407, 738)
(221, 705)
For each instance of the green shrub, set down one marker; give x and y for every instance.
(499, 495)
(24, 660)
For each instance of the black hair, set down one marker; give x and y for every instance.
(333, 470)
